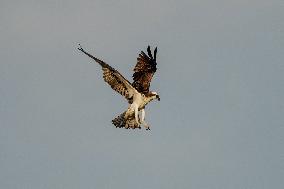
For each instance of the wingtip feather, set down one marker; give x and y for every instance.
(155, 53)
(149, 52)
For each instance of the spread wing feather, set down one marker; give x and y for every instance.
(144, 70)
(114, 78)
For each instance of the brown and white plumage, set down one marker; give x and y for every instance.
(116, 81)
(144, 70)
(137, 93)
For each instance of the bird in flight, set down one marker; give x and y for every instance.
(137, 94)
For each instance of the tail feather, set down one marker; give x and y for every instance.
(128, 123)
(119, 121)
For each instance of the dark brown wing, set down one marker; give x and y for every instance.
(144, 71)
(114, 78)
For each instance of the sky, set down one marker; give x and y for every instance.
(219, 124)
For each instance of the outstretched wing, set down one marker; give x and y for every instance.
(144, 70)
(114, 78)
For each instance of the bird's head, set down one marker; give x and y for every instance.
(155, 95)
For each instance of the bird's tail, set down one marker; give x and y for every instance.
(120, 121)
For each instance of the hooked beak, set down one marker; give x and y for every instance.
(158, 97)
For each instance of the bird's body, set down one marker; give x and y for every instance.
(127, 119)
(137, 93)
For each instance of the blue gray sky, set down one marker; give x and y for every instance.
(219, 124)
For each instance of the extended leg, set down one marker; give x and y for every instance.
(131, 117)
(143, 120)
(142, 115)
(135, 106)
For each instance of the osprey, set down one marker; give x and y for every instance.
(137, 94)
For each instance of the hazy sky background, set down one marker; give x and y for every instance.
(220, 121)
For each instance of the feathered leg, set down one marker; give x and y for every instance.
(143, 122)
(133, 109)
(136, 113)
